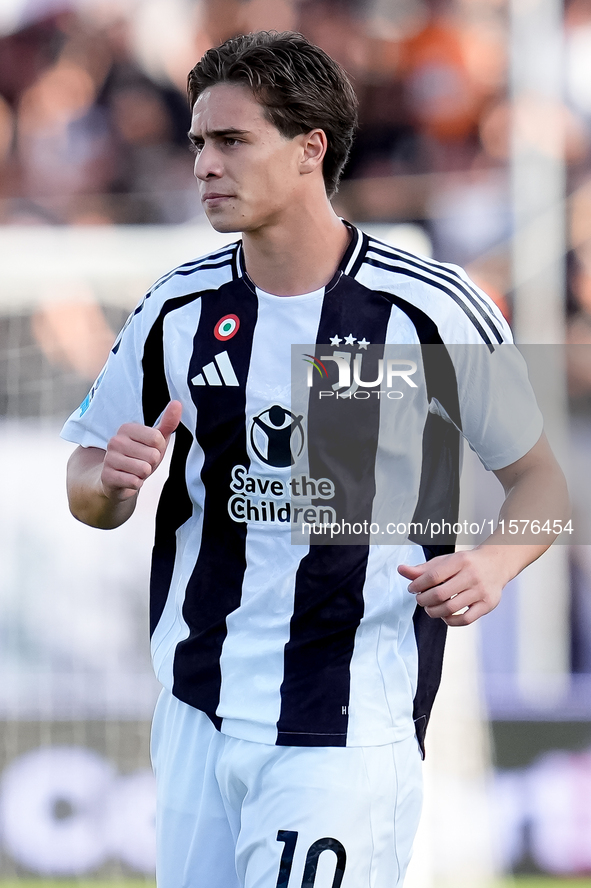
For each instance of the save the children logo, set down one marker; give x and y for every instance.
(276, 436)
(274, 499)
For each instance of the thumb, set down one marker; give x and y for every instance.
(170, 419)
(411, 571)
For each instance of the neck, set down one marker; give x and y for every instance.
(299, 254)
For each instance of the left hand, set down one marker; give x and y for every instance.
(447, 584)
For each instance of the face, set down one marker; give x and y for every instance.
(249, 175)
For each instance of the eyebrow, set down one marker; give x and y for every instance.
(217, 134)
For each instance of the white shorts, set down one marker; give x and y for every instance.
(237, 814)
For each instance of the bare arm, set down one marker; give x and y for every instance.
(103, 485)
(534, 488)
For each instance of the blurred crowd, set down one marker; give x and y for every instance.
(93, 115)
(86, 134)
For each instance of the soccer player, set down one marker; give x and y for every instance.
(297, 678)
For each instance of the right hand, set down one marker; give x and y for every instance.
(135, 452)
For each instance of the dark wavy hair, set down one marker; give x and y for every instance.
(299, 86)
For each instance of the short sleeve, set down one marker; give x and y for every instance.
(500, 417)
(116, 396)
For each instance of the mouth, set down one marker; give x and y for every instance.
(214, 199)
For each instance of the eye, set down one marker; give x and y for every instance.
(195, 147)
(230, 141)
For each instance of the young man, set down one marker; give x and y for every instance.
(285, 742)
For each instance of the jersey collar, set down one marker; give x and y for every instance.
(347, 263)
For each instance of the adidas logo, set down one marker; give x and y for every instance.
(218, 372)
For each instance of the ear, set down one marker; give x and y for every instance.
(314, 145)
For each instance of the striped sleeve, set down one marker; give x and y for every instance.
(116, 396)
(461, 310)
(123, 393)
(499, 414)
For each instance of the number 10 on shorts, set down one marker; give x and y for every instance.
(289, 838)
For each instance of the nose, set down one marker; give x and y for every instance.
(207, 163)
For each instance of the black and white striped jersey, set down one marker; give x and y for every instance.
(296, 644)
